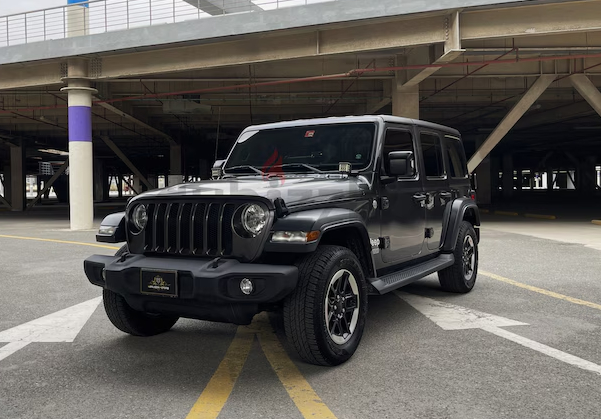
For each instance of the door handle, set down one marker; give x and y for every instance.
(420, 197)
(446, 195)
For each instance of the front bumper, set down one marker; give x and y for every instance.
(203, 291)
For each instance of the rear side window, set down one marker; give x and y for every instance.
(432, 152)
(457, 160)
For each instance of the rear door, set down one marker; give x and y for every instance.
(436, 186)
(456, 161)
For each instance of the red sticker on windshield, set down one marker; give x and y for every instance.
(309, 134)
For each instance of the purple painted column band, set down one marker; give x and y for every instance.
(80, 123)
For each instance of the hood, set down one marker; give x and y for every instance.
(294, 190)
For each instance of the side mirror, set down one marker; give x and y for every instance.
(401, 164)
(217, 170)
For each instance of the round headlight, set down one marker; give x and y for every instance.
(254, 219)
(139, 217)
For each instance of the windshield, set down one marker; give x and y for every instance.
(303, 149)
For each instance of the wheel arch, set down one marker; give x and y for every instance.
(352, 235)
(337, 226)
(462, 209)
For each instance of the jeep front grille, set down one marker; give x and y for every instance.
(200, 229)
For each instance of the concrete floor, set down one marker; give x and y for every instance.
(406, 366)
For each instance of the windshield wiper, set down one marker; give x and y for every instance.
(306, 166)
(246, 166)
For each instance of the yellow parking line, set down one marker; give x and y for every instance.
(216, 393)
(541, 216)
(542, 291)
(514, 214)
(104, 246)
(300, 391)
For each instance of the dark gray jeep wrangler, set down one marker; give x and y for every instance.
(307, 217)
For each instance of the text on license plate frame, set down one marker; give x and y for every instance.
(161, 280)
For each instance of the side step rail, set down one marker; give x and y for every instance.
(411, 274)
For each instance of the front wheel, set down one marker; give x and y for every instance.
(134, 322)
(325, 316)
(128, 320)
(461, 276)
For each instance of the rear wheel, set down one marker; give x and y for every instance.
(461, 276)
(131, 321)
(325, 316)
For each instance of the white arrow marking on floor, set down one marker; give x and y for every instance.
(62, 326)
(452, 317)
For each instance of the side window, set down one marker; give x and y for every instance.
(432, 152)
(397, 140)
(457, 160)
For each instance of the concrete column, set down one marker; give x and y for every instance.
(405, 102)
(81, 183)
(101, 186)
(17, 178)
(175, 165)
(120, 185)
(586, 176)
(507, 175)
(137, 184)
(550, 179)
(405, 98)
(484, 184)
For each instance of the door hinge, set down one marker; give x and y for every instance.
(429, 233)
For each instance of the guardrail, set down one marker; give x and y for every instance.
(100, 16)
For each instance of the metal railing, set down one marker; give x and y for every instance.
(100, 16)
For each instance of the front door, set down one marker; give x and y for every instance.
(402, 203)
(436, 187)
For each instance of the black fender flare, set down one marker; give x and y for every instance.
(117, 221)
(454, 215)
(323, 220)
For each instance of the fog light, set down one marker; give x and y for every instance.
(246, 286)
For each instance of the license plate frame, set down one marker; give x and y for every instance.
(159, 282)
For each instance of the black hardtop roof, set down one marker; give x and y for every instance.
(349, 119)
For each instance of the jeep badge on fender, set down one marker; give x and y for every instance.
(305, 217)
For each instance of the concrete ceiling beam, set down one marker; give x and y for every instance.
(514, 115)
(135, 120)
(452, 50)
(423, 31)
(556, 115)
(587, 90)
(539, 19)
(126, 161)
(554, 20)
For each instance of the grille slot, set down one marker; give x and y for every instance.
(158, 242)
(200, 229)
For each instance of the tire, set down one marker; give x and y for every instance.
(305, 310)
(461, 276)
(131, 321)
